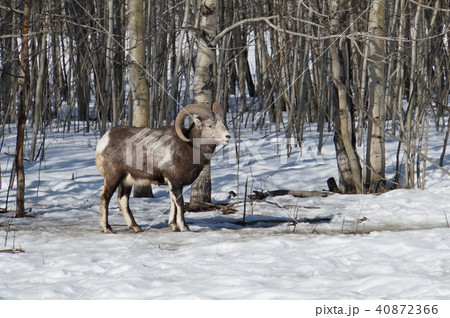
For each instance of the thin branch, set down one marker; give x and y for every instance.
(219, 36)
(9, 9)
(352, 36)
(428, 7)
(404, 142)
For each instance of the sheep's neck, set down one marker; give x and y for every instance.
(200, 144)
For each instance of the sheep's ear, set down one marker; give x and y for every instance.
(197, 120)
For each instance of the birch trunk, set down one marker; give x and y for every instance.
(375, 174)
(204, 86)
(413, 104)
(348, 161)
(137, 76)
(138, 83)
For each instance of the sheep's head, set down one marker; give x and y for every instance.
(209, 122)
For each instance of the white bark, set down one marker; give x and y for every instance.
(204, 86)
(136, 69)
(206, 55)
(138, 83)
(377, 106)
(351, 178)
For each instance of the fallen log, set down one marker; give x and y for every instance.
(259, 195)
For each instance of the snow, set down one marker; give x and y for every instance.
(390, 246)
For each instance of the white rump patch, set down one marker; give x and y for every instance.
(104, 141)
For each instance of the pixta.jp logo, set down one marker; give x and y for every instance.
(143, 148)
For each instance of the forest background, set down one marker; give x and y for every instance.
(366, 70)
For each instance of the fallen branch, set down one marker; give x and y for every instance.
(13, 250)
(259, 195)
(225, 208)
(288, 206)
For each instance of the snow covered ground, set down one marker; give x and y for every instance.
(392, 246)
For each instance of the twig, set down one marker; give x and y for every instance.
(289, 206)
(245, 199)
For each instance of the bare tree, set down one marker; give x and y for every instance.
(344, 137)
(22, 111)
(137, 75)
(376, 166)
(204, 86)
(40, 99)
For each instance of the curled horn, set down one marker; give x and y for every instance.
(193, 109)
(218, 109)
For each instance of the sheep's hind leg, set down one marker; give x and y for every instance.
(107, 193)
(124, 204)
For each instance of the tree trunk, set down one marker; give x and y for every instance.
(344, 122)
(22, 112)
(110, 92)
(204, 87)
(83, 62)
(375, 174)
(137, 76)
(40, 100)
(173, 89)
(138, 83)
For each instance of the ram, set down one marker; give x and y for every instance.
(171, 155)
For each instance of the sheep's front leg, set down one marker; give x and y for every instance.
(181, 223)
(173, 209)
(176, 217)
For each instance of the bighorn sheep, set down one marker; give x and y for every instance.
(171, 155)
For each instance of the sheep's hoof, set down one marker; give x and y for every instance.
(136, 228)
(173, 226)
(185, 228)
(108, 230)
(176, 228)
